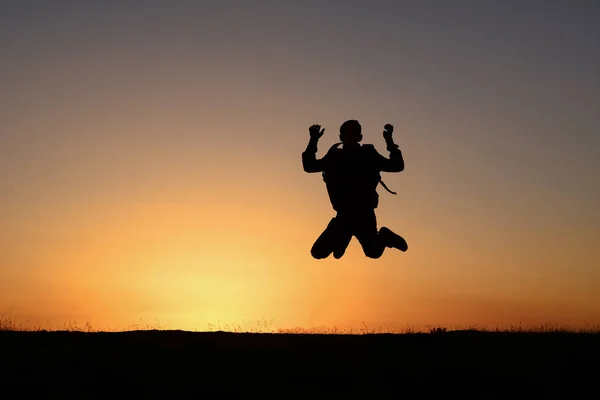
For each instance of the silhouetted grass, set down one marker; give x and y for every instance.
(7, 323)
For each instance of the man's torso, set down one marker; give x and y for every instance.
(351, 176)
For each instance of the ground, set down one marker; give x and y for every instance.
(175, 364)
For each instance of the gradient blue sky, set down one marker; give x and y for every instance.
(128, 130)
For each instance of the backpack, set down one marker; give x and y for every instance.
(370, 184)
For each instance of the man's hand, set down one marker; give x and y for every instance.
(316, 132)
(388, 129)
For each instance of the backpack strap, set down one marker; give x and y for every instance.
(385, 187)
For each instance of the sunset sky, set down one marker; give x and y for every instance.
(150, 161)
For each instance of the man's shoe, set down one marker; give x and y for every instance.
(391, 239)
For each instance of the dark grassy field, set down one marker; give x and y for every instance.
(177, 364)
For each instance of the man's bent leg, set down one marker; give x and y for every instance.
(342, 242)
(326, 242)
(371, 244)
(365, 230)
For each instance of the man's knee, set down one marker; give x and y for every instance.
(372, 247)
(339, 253)
(374, 252)
(319, 252)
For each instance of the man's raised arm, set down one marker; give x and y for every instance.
(396, 162)
(310, 163)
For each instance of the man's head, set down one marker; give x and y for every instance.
(350, 133)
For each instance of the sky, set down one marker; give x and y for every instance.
(150, 162)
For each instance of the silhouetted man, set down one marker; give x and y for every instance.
(351, 174)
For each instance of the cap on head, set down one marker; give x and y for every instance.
(351, 132)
